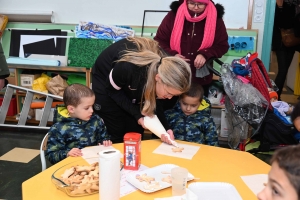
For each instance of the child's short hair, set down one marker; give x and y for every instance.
(288, 159)
(196, 90)
(75, 92)
(296, 112)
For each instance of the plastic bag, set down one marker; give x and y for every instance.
(57, 85)
(39, 84)
(246, 100)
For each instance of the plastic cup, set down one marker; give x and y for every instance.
(179, 181)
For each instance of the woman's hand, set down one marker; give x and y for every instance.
(182, 57)
(106, 143)
(279, 3)
(165, 139)
(141, 122)
(75, 152)
(199, 61)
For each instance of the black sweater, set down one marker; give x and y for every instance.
(284, 19)
(130, 78)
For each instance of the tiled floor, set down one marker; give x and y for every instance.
(19, 161)
(19, 153)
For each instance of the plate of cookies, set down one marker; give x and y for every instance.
(79, 178)
(153, 179)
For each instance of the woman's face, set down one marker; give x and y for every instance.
(163, 91)
(278, 186)
(196, 7)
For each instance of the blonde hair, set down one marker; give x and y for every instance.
(173, 71)
(146, 44)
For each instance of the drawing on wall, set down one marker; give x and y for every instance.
(101, 31)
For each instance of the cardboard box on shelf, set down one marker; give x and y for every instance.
(26, 80)
(11, 80)
(39, 113)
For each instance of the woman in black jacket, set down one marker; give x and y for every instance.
(133, 78)
(285, 15)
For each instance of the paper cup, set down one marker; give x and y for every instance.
(179, 181)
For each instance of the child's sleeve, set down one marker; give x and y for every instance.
(102, 131)
(211, 136)
(56, 146)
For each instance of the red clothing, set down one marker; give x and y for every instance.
(191, 40)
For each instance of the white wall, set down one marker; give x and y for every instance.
(260, 27)
(125, 12)
(291, 76)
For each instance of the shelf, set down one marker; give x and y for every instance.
(216, 78)
(48, 68)
(218, 106)
(16, 80)
(29, 121)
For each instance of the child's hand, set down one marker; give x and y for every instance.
(106, 143)
(75, 152)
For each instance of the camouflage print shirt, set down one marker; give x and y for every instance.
(68, 133)
(198, 127)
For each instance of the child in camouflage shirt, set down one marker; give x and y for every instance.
(76, 126)
(190, 119)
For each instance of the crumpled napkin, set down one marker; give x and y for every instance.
(188, 196)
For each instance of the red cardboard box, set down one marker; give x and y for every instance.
(12, 110)
(132, 151)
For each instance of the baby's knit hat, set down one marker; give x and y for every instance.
(273, 94)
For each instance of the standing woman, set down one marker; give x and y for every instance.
(285, 15)
(131, 79)
(195, 31)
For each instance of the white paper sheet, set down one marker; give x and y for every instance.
(188, 152)
(255, 182)
(93, 152)
(125, 187)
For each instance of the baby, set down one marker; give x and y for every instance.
(282, 107)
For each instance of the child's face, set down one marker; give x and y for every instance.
(297, 123)
(189, 105)
(273, 99)
(278, 186)
(84, 110)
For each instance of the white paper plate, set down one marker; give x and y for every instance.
(214, 191)
(158, 173)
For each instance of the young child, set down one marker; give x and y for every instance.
(76, 127)
(282, 107)
(190, 119)
(284, 176)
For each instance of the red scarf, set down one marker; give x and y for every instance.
(210, 13)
